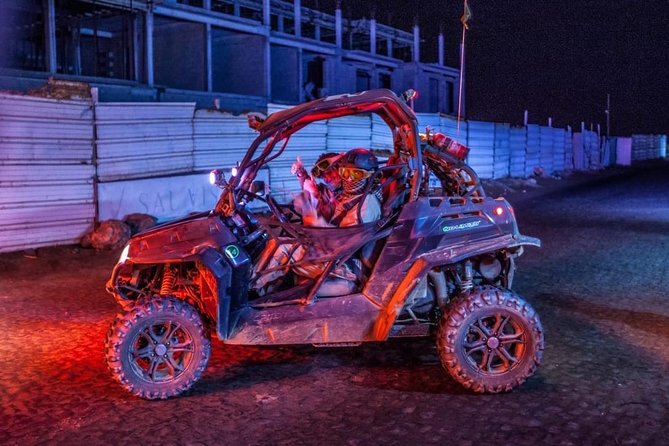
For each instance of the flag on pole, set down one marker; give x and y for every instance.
(466, 15)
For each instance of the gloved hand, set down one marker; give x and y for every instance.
(298, 169)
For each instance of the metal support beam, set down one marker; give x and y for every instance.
(338, 27)
(149, 45)
(209, 63)
(440, 56)
(209, 67)
(50, 33)
(267, 49)
(416, 43)
(136, 47)
(266, 10)
(372, 36)
(298, 18)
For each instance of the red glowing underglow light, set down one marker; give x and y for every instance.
(499, 211)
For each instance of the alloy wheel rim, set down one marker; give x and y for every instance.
(495, 344)
(161, 351)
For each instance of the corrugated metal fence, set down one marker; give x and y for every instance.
(153, 158)
(46, 171)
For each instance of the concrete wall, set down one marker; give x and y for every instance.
(285, 83)
(238, 62)
(179, 54)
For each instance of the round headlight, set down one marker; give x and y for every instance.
(124, 254)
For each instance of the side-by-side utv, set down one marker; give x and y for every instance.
(439, 262)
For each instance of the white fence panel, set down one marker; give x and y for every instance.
(624, 151)
(481, 139)
(308, 143)
(568, 149)
(502, 157)
(382, 137)
(559, 136)
(431, 120)
(450, 128)
(533, 151)
(221, 139)
(517, 141)
(591, 150)
(140, 140)
(46, 171)
(349, 132)
(546, 149)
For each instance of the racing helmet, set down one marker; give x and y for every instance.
(324, 163)
(355, 167)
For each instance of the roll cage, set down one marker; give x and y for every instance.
(278, 127)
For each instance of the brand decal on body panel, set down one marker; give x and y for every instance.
(458, 227)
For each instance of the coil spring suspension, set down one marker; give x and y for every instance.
(167, 284)
(468, 280)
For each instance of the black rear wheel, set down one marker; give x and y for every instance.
(490, 340)
(159, 348)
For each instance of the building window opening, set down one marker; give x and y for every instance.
(22, 36)
(95, 41)
(313, 85)
(362, 80)
(434, 96)
(385, 81)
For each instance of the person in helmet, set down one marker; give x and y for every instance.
(324, 192)
(352, 206)
(355, 169)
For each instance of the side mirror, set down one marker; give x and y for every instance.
(258, 187)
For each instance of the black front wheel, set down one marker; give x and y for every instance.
(490, 340)
(159, 348)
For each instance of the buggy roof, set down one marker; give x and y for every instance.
(381, 101)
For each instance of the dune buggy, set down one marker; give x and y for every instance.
(439, 262)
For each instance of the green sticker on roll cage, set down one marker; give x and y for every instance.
(232, 251)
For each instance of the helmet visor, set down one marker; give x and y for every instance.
(353, 173)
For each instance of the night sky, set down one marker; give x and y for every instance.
(554, 58)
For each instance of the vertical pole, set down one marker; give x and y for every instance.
(50, 33)
(136, 47)
(209, 66)
(550, 122)
(338, 28)
(235, 8)
(390, 47)
(608, 115)
(209, 62)
(416, 41)
(297, 8)
(525, 116)
(149, 44)
(372, 36)
(440, 40)
(266, 19)
(76, 41)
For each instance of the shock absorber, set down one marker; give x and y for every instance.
(467, 282)
(167, 284)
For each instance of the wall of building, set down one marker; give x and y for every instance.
(238, 62)
(285, 82)
(180, 54)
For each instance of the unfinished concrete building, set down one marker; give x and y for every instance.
(239, 54)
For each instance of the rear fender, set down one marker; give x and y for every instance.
(439, 257)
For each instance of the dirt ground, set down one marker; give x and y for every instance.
(600, 284)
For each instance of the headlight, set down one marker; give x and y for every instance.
(124, 254)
